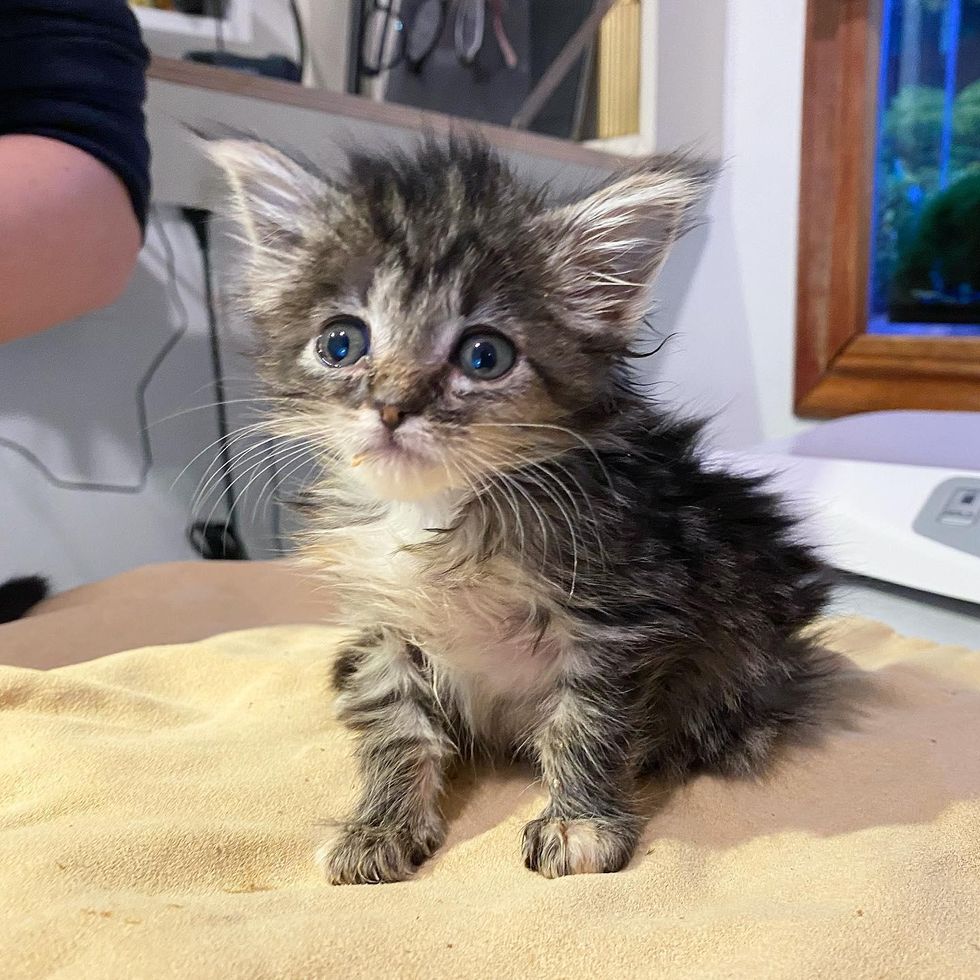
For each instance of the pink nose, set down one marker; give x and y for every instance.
(391, 416)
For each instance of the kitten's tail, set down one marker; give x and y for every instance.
(18, 595)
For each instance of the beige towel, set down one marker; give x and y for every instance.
(159, 811)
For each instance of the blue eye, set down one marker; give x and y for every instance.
(486, 356)
(344, 341)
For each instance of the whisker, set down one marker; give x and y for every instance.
(256, 472)
(571, 528)
(475, 480)
(557, 428)
(236, 461)
(210, 405)
(508, 496)
(449, 467)
(536, 510)
(231, 437)
(283, 478)
(278, 475)
(550, 480)
(226, 469)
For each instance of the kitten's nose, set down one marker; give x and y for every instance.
(391, 416)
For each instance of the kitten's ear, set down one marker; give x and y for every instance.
(615, 241)
(274, 197)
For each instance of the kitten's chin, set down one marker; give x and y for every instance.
(393, 478)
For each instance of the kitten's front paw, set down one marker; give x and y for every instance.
(370, 855)
(574, 847)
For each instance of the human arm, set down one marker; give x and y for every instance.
(74, 161)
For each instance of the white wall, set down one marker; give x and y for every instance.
(735, 314)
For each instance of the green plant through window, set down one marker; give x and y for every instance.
(925, 269)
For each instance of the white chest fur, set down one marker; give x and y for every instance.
(476, 621)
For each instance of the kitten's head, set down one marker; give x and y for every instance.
(430, 319)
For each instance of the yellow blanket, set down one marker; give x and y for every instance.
(159, 810)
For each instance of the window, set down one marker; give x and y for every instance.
(889, 260)
(925, 245)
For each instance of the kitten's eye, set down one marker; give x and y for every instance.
(344, 341)
(486, 356)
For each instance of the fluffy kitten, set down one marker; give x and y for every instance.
(536, 560)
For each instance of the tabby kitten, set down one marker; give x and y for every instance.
(536, 561)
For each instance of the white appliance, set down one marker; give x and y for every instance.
(894, 496)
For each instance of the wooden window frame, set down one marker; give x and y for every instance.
(840, 368)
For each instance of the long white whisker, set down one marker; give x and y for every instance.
(510, 485)
(283, 477)
(231, 437)
(449, 466)
(508, 496)
(485, 489)
(237, 461)
(557, 428)
(571, 527)
(209, 405)
(269, 466)
(536, 510)
(277, 475)
(296, 459)
(549, 480)
(226, 468)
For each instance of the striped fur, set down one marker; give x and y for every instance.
(539, 566)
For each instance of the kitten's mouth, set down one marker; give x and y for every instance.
(392, 451)
(391, 456)
(399, 469)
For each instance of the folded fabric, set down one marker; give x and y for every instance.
(159, 810)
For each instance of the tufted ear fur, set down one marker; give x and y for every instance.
(274, 197)
(614, 241)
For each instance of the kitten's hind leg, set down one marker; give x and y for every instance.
(403, 752)
(590, 823)
(788, 698)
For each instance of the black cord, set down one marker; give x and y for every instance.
(218, 9)
(141, 388)
(355, 42)
(206, 537)
(300, 37)
(277, 503)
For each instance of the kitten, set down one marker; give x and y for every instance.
(537, 561)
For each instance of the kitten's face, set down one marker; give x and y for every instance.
(431, 320)
(423, 386)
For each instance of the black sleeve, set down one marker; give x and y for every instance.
(74, 70)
